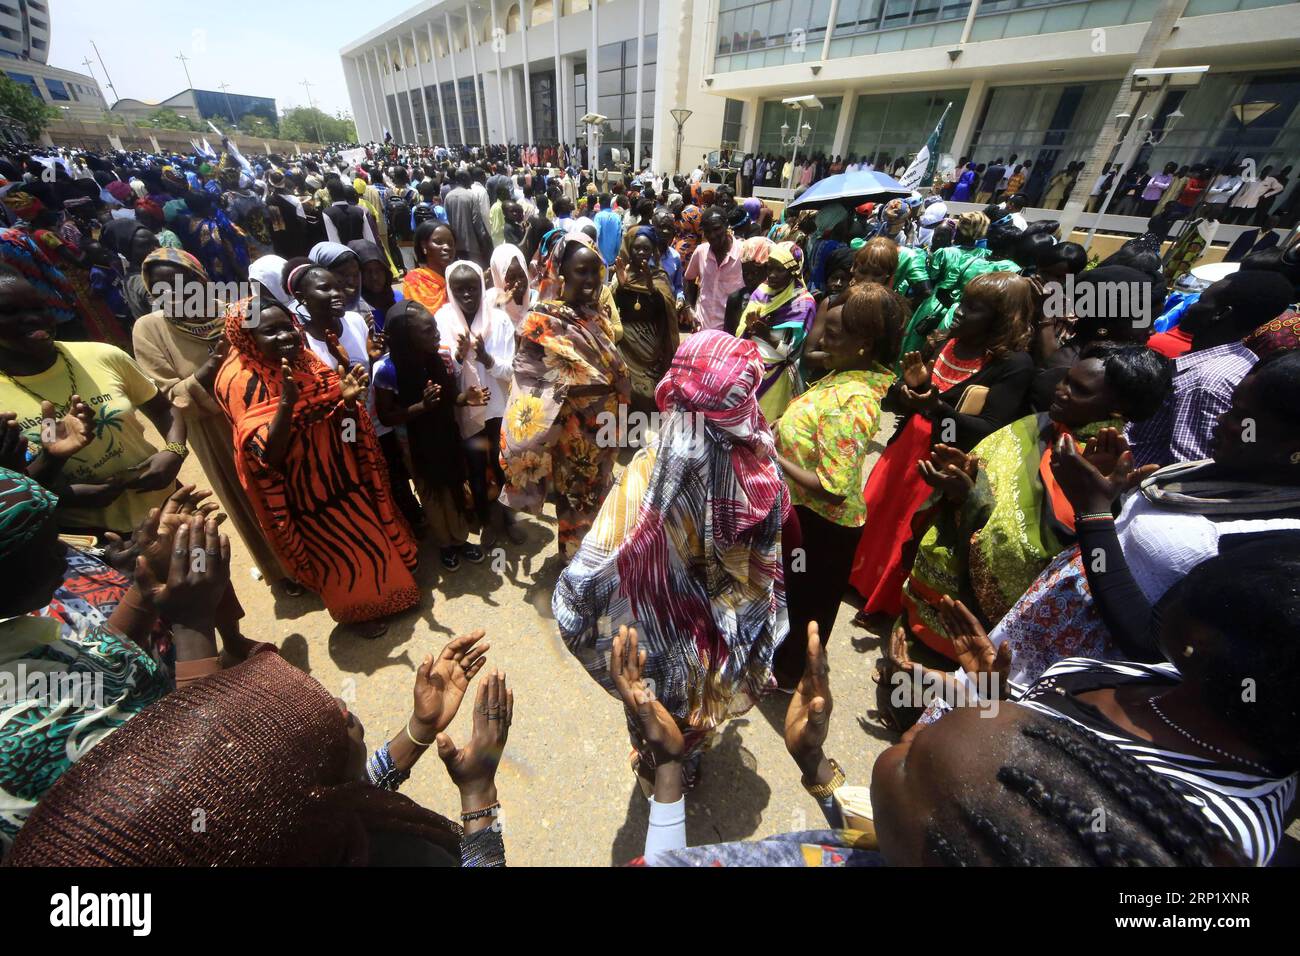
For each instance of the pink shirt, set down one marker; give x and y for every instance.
(717, 281)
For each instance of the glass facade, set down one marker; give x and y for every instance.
(822, 121)
(1049, 124)
(579, 132)
(617, 102)
(752, 35)
(212, 103)
(469, 110)
(769, 33)
(889, 126)
(1231, 116)
(732, 114)
(542, 94)
(448, 94)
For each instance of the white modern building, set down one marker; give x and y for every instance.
(24, 49)
(1036, 78)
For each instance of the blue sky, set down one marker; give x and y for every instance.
(259, 47)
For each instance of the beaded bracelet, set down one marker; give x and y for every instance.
(1096, 516)
(488, 811)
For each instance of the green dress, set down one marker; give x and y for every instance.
(913, 267)
(945, 271)
(973, 268)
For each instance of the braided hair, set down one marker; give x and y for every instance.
(1070, 798)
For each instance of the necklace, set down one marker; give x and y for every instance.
(1201, 743)
(59, 409)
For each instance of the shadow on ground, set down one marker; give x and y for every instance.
(726, 806)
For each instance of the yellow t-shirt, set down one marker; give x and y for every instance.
(114, 386)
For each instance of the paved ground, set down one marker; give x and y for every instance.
(567, 793)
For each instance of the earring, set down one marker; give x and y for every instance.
(862, 351)
(1295, 457)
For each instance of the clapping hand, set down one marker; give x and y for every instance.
(432, 393)
(13, 443)
(477, 395)
(950, 471)
(353, 382)
(441, 682)
(972, 647)
(808, 718)
(916, 374)
(376, 345)
(153, 537)
(71, 433)
(463, 346)
(1088, 487)
(658, 728)
(195, 581)
(473, 767)
(288, 384)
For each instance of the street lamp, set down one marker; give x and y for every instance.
(804, 133)
(680, 116)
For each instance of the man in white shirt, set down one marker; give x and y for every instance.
(747, 176)
(1224, 187)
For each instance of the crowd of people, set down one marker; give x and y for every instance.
(1080, 544)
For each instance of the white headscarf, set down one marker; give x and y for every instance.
(266, 272)
(502, 257)
(452, 324)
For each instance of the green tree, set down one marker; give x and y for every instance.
(307, 124)
(255, 125)
(169, 119)
(23, 108)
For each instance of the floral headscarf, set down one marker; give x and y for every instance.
(688, 232)
(205, 327)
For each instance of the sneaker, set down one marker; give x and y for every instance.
(472, 553)
(450, 558)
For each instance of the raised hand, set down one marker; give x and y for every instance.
(974, 651)
(13, 443)
(1104, 451)
(463, 347)
(376, 345)
(658, 728)
(73, 432)
(206, 374)
(473, 767)
(195, 580)
(950, 471)
(808, 718)
(432, 394)
(916, 374)
(441, 682)
(1089, 489)
(288, 384)
(337, 350)
(353, 382)
(477, 395)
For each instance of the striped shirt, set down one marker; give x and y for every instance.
(1249, 807)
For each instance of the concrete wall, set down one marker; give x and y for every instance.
(94, 136)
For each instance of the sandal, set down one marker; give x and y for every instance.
(369, 630)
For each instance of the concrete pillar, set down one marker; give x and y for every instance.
(382, 98)
(593, 82)
(497, 42)
(561, 97)
(976, 97)
(640, 66)
(424, 97)
(479, 104)
(437, 83)
(401, 120)
(848, 105)
(455, 77)
(406, 75)
(524, 15)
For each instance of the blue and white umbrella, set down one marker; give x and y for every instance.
(856, 187)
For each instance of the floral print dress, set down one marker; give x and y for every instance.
(559, 437)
